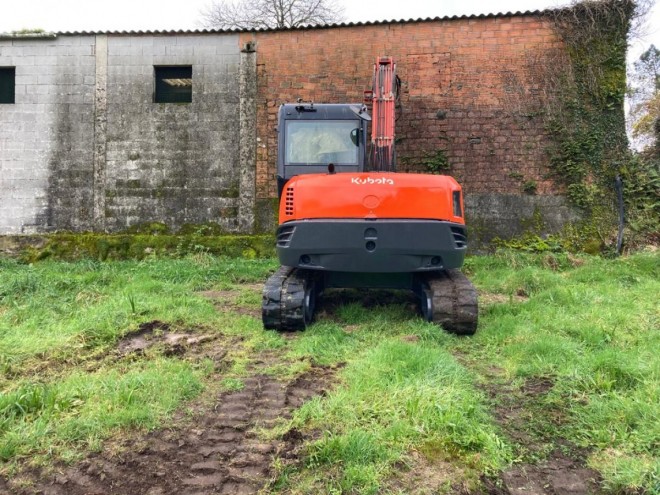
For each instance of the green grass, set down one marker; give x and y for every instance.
(401, 390)
(398, 396)
(594, 330)
(64, 309)
(587, 325)
(62, 390)
(62, 417)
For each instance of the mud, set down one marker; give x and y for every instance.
(332, 300)
(561, 470)
(423, 476)
(220, 453)
(156, 333)
(219, 450)
(557, 475)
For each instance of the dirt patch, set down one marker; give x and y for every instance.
(557, 475)
(422, 476)
(4, 488)
(158, 333)
(489, 298)
(226, 301)
(561, 470)
(219, 294)
(538, 386)
(193, 343)
(332, 300)
(221, 452)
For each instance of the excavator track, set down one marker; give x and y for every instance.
(288, 299)
(448, 299)
(453, 301)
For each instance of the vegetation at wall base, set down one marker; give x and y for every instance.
(156, 241)
(570, 339)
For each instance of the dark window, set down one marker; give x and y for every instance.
(7, 84)
(173, 84)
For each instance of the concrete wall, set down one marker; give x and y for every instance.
(85, 147)
(47, 136)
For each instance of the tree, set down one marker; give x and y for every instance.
(645, 96)
(270, 14)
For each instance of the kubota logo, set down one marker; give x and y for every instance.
(370, 180)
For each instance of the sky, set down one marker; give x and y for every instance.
(117, 15)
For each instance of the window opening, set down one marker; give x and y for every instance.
(173, 84)
(7, 84)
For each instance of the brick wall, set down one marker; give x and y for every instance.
(470, 89)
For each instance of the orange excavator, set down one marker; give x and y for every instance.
(347, 219)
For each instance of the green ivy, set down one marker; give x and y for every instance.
(586, 123)
(437, 163)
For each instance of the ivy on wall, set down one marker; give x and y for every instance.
(585, 116)
(586, 119)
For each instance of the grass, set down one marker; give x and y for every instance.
(398, 396)
(61, 417)
(62, 389)
(405, 390)
(593, 329)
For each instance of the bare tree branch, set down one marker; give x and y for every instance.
(270, 14)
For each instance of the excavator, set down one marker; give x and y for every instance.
(348, 220)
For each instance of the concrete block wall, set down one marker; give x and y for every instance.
(85, 147)
(172, 163)
(46, 137)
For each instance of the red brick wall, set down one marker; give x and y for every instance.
(470, 88)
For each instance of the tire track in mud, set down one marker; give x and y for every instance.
(220, 452)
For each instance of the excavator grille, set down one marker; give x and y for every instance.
(460, 236)
(284, 236)
(288, 202)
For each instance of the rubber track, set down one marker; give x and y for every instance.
(455, 306)
(283, 298)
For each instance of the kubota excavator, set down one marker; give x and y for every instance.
(345, 221)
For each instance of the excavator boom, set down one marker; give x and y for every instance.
(385, 91)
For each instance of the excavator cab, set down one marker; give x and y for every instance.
(313, 136)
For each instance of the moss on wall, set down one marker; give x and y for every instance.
(72, 246)
(266, 215)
